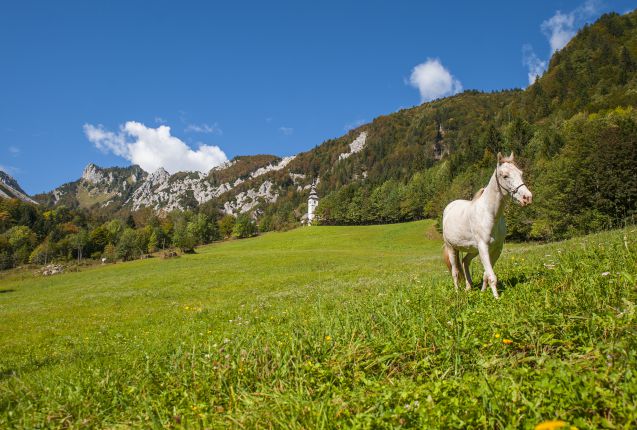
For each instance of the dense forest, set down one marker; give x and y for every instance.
(36, 235)
(573, 132)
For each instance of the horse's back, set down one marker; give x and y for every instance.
(456, 229)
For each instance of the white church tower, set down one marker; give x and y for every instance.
(312, 203)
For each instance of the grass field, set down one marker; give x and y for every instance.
(326, 327)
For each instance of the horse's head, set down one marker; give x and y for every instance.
(509, 177)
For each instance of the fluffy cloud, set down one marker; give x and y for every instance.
(152, 148)
(286, 130)
(433, 80)
(204, 128)
(354, 124)
(561, 27)
(535, 66)
(559, 30)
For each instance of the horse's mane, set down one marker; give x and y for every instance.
(478, 193)
(509, 159)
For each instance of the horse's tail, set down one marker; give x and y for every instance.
(445, 256)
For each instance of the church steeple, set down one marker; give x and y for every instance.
(312, 203)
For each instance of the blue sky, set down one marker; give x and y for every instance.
(91, 81)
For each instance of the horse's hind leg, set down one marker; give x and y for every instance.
(454, 261)
(466, 267)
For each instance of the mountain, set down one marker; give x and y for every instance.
(10, 189)
(97, 188)
(131, 188)
(408, 164)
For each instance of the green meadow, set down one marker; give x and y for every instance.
(326, 327)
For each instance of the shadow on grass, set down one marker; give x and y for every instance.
(511, 281)
(8, 290)
(503, 283)
(6, 374)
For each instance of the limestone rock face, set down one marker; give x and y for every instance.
(95, 175)
(97, 187)
(162, 191)
(244, 184)
(237, 183)
(10, 189)
(357, 145)
(273, 167)
(245, 201)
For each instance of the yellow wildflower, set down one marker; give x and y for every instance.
(328, 338)
(497, 335)
(551, 425)
(507, 341)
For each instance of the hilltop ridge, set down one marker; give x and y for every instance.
(10, 189)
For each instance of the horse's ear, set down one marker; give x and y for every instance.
(500, 158)
(511, 156)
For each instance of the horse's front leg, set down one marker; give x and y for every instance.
(483, 249)
(466, 263)
(494, 254)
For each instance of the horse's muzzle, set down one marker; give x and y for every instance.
(526, 199)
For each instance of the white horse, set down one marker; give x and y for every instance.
(477, 227)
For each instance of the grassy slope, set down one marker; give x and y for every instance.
(325, 327)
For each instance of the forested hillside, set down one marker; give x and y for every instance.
(573, 131)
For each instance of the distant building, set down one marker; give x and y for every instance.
(312, 203)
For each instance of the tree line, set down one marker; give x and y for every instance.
(37, 235)
(582, 173)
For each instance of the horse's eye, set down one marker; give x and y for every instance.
(505, 176)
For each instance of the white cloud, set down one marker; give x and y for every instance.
(152, 148)
(561, 27)
(433, 80)
(286, 130)
(160, 120)
(204, 128)
(354, 124)
(107, 141)
(533, 63)
(559, 30)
